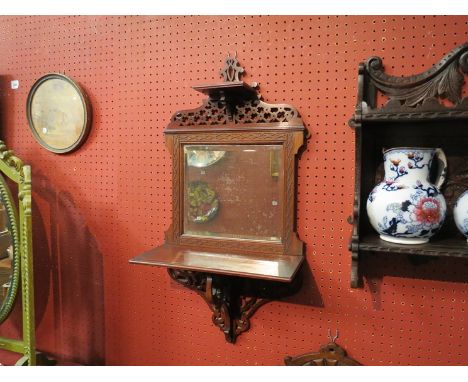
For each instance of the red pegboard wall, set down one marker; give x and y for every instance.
(110, 200)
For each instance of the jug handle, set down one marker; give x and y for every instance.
(442, 172)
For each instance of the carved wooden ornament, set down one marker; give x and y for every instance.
(330, 354)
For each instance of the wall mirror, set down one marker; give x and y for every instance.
(58, 113)
(233, 238)
(233, 195)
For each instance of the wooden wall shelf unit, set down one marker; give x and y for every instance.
(424, 110)
(233, 237)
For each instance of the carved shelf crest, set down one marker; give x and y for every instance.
(414, 97)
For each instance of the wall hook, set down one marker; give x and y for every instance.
(333, 339)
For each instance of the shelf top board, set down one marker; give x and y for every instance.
(267, 267)
(429, 111)
(238, 88)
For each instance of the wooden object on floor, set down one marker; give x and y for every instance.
(330, 354)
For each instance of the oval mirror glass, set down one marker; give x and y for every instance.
(9, 250)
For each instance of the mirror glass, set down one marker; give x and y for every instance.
(6, 255)
(6, 245)
(234, 191)
(57, 113)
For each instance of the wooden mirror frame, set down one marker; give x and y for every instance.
(85, 129)
(291, 141)
(238, 275)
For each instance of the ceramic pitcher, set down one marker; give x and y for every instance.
(460, 214)
(406, 208)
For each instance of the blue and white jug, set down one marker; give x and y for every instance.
(406, 208)
(460, 213)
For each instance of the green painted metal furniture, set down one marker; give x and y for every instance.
(20, 230)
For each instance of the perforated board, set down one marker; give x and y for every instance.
(110, 200)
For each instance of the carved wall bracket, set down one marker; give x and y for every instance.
(232, 300)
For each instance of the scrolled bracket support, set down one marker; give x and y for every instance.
(231, 308)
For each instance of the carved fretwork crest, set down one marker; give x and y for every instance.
(443, 81)
(234, 102)
(215, 113)
(232, 69)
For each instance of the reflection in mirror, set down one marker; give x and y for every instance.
(6, 254)
(234, 191)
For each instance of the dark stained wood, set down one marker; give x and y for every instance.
(235, 273)
(447, 247)
(424, 110)
(232, 70)
(231, 308)
(237, 90)
(443, 80)
(254, 114)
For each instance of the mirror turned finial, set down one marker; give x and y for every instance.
(232, 69)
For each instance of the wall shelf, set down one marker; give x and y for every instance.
(424, 110)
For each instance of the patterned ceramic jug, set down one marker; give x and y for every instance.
(406, 208)
(460, 213)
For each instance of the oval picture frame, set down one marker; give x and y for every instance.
(59, 113)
